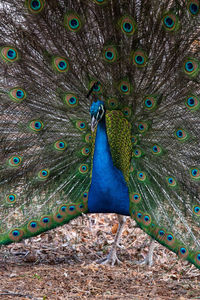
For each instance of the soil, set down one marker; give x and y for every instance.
(61, 264)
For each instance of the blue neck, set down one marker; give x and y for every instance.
(108, 191)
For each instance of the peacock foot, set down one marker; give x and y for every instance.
(110, 259)
(148, 260)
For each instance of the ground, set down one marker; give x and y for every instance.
(61, 264)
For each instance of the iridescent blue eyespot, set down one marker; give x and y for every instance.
(20, 94)
(155, 149)
(147, 220)
(11, 198)
(148, 103)
(196, 210)
(109, 55)
(197, 259)
(81, 125)
(195, 173)
(11, 54)
(43, 174)
(96, 88)
(136, 198)
(74, 23)
(139, 59)
(72, 208)
(83, 169)
(191, 101)
(124, 88)
(17, 94)
(141, 176)
(45, 220)
(170, 237)
(15, 161)
(33, 224)
(63, 208)
(128, 27)
(36, 125)
(182, 250)
(171, 181)
(181, 135)
(61, 145)
(72, 100)
(193, 7)
(85, 197)
(16, 233)
(169, 22)
(141, 127)
(62, 65)
(161, 233)
(35, 4)
(139, 215)
(189, 66)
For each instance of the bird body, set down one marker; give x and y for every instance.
(108, 191)
(135, 66)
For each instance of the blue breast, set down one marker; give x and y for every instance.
(108, 191)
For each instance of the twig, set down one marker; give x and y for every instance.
(16, 294)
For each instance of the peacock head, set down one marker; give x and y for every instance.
(97, 112)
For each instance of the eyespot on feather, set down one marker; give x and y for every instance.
(170, 22)
(35, 6)
(193, 7)
(16, 234)
(17, 94)
(60, 64)
(127, 25)
(15, 161)
(72, 22)
(9, 54)
(43, 174)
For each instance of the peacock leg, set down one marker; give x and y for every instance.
(148, 260)
(112, 258)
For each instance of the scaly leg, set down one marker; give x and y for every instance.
(112, 258)
(149, 257)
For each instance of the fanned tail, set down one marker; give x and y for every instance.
(140, 57)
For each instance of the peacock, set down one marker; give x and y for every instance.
(100, 113)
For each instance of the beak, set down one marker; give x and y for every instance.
(93, 123)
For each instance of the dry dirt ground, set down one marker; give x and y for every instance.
(61, 264)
